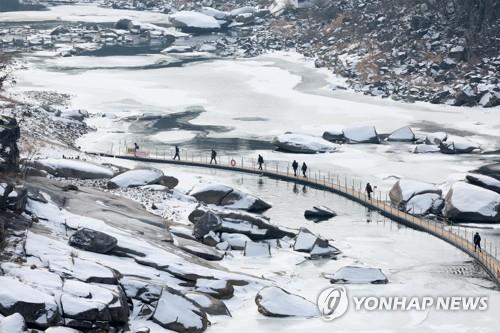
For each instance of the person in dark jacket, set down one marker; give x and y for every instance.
(295, 166)
(304, 169)
(369, 191)
(177, 155)
(477, 242)
(260, 161)
(214, 157)
(136, 148)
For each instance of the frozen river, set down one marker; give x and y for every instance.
(237, 106)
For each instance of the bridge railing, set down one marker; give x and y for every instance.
(457, 235)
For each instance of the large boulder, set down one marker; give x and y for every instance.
(36, 307)
(362, 134)
(353, 274)
(222, 195)
(457, 145)
(276, 302)
(178, 313)
(334, 135)
(210, 193)
(140, 177)
(215, 13)
(9, 153)
(12, 324)
(303, 144)
(209, 304)
(93, 241)
(470, 203)
(73, 168)
(235, 241)
(436, 138)
(489, 183)
(256, 227)
(220, 289)
(491, 170)
(422, 204)
(404, 189)
(319, 213)
(191, 21)
(239, 200)
(404, 134)
(306, 241)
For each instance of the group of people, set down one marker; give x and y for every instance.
(295, 167)
(177, 155)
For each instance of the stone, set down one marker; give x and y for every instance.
(9, 152)
(92, 240)
(470, 203)
(277, 302)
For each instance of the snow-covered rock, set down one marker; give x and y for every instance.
(210, 193)
(457, 145)
(236, 241)
(319, 213)
(423, 204)
(276, 302)
(253, 249)
(141, 177)
(404, 189)
(404, 134)
(92, 240)
(215, 13)
(306, 240)
(73, 168)
(61, 329)
(303, 144)
(12, 324)
(206, 223)
(36, 307)
(219, 289)
(334, 135)
(209, 304)
(353, 274)
(222, 195)
(436, 138)
(239, 200)
(487, 182)
(178, 313)
(362, 134)
(191, 21)
(471, 203)
(200, 250)
(426, 148)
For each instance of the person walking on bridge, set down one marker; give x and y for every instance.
(177, 155)
(136, 148)
(477, 242)
(304, 169)
(260, 161)
(295, 166)
(369, 191)
(213, 157)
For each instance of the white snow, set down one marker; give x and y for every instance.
(425, 148)
(490, 181)
(410, 187)
(60, 329)
(212, 187)
(195, 20)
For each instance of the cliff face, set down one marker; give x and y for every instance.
(9, 153)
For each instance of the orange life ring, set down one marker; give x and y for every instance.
(233, 162)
